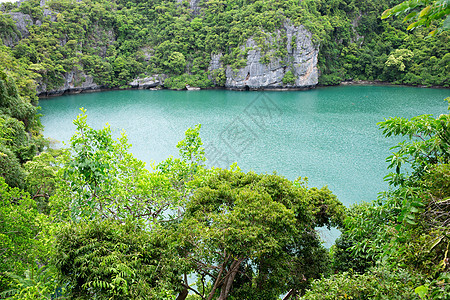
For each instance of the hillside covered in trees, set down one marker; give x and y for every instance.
(70, 45)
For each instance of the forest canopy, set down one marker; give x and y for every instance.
(115, 42)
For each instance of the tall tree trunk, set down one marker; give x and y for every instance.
(229, 278)
(184, 293)
(217, 283)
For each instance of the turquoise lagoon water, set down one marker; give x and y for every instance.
(327, 134)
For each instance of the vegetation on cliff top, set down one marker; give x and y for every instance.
(117, 41)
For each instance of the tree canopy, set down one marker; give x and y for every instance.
(423, 13)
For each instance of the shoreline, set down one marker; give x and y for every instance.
(75, 91)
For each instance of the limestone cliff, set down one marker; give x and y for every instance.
(268, 58)
(264, 70)
(148, 82)
(22, 21)
(75, 81)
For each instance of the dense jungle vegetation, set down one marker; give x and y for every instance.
(117, 41)
(93, 222)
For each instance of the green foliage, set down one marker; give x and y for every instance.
(182, 81)
(398, 58)
(10, 168)
(176, 63)
(23, 242)
(325, 207)
(378, 283)
(422, 13)
(428, 144)
(104, 259)
(360, 46)
(437, 289)
(43, 176)
(219, 77)
(184, 172)
(17, 120)
(41, 283)
(102, 179)
(254, 234)
(11, 104)
(289, 78)
(367, 229)
(8, 28)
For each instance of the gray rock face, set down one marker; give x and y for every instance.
(147, 53)
(148, 82)
(215, 62)
(19, 3)
(47, 12)
(22, 21)
(195, 6)
(75, 82)
(301, 60)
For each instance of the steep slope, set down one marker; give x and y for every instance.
(77, 45)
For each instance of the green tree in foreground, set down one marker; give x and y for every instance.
(101, 179)
(250, 236)
(113, 241)
(105, 259)
(23, 242)
(406, 232)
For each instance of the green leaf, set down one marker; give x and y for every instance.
(386, 14)
(410, 222)
(409, 16)
(422, 291)
(425, 11)
(412, 25)
(414, 209)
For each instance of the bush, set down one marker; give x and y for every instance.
(105, 259)
(289, 78)
(378, 283)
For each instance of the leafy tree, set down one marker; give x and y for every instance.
(102, 179)
(253, 235)
(117, 224)
(380, 283)
(43, 176)
(105, 259)
(23, 241)
(176, 63)
(183, 171)
(398, 58)
(17, 120)
(422, 12)
(419, 197)
(289, 78)
(10, 169)
(41, 283)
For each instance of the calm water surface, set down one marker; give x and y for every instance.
(327, 134)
